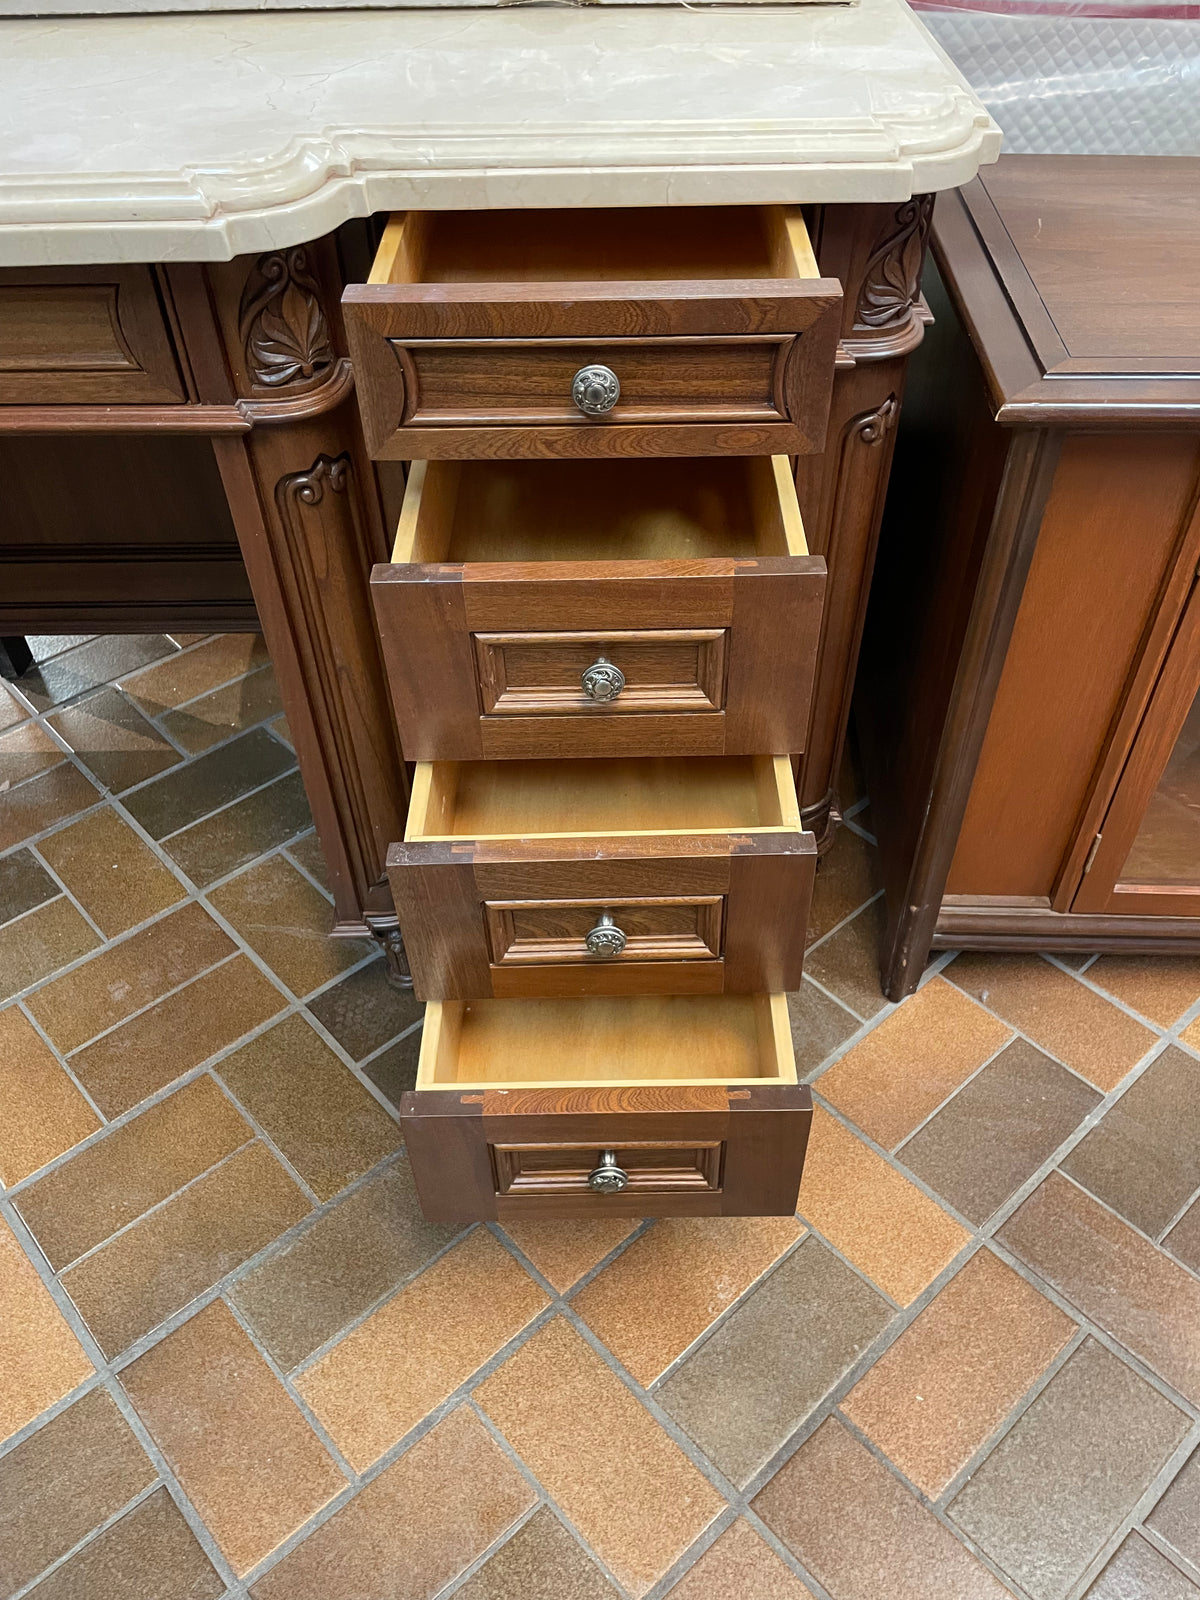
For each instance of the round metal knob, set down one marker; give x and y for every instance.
(595, 390)
(602, 681)
(605, 939)
(608, 1177)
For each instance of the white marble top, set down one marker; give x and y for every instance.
(205, 136)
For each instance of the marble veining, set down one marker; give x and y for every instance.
(205, 136)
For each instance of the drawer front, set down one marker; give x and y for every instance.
(543, 674)
(86, 336)
(689, 914)
(712, 373)
(683, 1151)
(718, 656)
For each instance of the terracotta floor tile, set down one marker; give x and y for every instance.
(63, 1481)
(42, 802)
(847, 963)
(182, 797)
(44, 1113)
(169, 1257)
(287, 922)
(40, 1357)
(564, 1249)
(314, 1109)
(1143, 1157)
(746, 1390)
(247, 1459)
(1057, 1012)
(819, 1026)
(623, 1483)
(1183, 1241)
(414, 1527)
(1054, 1489)
(1191, 1035)
(115, 1180)
(25, 751)
(41, 942)
(24, 884)
(218, 845)
(740, 1566)
(117, 879)
(873, 1214)
(411, 1354)
(954, 1374)
(185, 677)
(1138, 1572)
(222, 712)
(114, 741)
(150, 1554)
(540, 1562)
(996, 1132)
(395, 1069)
(127, 976)
(363, 1011)
(1176, 1517)
(895, 1076)
(308, 854)
(690, 1270)
(846, 878)
(99, 660)
(280, 728)
(171, 1037)
(861, 1533)
(339, 1267)
(11, 709)
(1161, 987)
(1112, 1275)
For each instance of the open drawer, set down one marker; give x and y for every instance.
(681, 1106)
(570, 608)
(675, 876)
(606, 332)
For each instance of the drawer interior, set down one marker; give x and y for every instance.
(668, 508)
(548, 799)
(678, 1039)
(605, 245)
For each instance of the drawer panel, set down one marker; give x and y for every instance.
(470, 335)
(86, 336)
(642, 1107)
(563, 608)
(603, 878)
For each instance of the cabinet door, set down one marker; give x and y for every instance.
(1146, 859)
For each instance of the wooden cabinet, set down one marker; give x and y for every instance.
(509, 870)
(1032, 655)
(684, 1106)
(581, 608)
(704, 331)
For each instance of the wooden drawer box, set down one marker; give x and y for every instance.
(516, 587)
(540, 1108)
(85, 336)
(470, 336)
(510, 868)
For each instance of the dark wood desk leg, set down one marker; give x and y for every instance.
(305, 503)
(878, 253)
(16, 657)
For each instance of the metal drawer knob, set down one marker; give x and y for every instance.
(595, 390)
(602, 681)
(605, 939)
(608, 1177)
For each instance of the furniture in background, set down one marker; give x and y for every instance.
(1027, 700)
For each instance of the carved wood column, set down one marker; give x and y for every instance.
(878, 253)
(305, 502)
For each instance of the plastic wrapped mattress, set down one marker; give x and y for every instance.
(1080, 79)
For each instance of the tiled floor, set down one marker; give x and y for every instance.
(235, 1360)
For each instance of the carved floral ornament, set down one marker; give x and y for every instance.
(282, 325)
(892, 280)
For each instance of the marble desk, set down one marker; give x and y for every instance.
(201, 185)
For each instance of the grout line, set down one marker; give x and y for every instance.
(492, 1549)
(70, 1072)
(167, 994)
(285, 850)
(65, 888)
(268, 1142)
(88, 1538)
(228, 805)
(1167, 1550)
